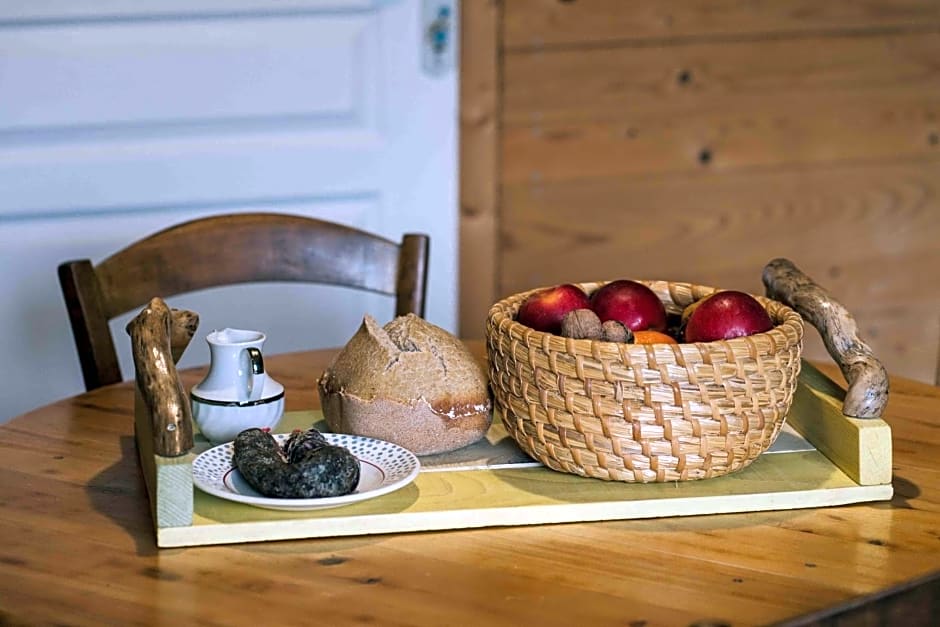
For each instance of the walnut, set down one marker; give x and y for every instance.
(616, 331)
(581, 324)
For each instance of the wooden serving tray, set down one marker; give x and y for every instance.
(823, 459)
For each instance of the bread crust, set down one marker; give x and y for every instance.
(409, 382)
(415, 426)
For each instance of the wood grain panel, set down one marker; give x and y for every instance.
(868, 233)
(697, 139)
(619, 81)
(479, 174)
(757, 568)
(621, 111)
(538, 23)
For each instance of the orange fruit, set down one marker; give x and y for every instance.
(652, 337)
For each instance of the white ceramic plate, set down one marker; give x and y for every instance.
(383, 467)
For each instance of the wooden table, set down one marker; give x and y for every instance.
(79, 545)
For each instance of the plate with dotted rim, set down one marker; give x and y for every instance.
(383, 467)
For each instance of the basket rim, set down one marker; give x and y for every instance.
(788, 326)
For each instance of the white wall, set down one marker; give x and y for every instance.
(119, 117)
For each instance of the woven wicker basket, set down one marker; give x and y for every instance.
(643, 413)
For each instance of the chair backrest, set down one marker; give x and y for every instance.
(230, 249)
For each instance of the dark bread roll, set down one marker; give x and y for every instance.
(411, 383)
(321, 470)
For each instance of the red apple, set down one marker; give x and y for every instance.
(725, 315)
(631, 303)
(543, 310)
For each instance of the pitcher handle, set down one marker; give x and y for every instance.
(254, 374)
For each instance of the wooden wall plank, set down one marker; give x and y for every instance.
(622, 111)
(541, 23)
(576, 85)
(866, 232)
(803, 130)
(479, 175)
(639, 226)
(696, 139)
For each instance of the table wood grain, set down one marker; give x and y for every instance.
(79, 544)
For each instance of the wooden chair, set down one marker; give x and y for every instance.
(227, 250)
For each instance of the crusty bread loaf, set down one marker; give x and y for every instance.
(409, 382)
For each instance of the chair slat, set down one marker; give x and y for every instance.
(233, 249)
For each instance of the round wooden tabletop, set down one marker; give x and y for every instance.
(80, 548)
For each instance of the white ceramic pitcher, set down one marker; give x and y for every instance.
(236, 366)
(237, 393)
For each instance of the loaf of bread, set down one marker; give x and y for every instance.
(409, 382)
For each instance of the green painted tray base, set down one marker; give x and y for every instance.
(830, 474)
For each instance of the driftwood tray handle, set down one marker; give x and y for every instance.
(159, 335)
(867, 378)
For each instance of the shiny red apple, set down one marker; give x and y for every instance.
(725, 315)
(544, 309)
(630, 302)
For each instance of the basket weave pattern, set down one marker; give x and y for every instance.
(643, 413)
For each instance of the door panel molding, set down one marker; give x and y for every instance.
(121, 117)
(22, 13)
(188, 78)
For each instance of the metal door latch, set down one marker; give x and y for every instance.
(439, 33)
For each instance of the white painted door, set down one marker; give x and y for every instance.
(119, 117)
